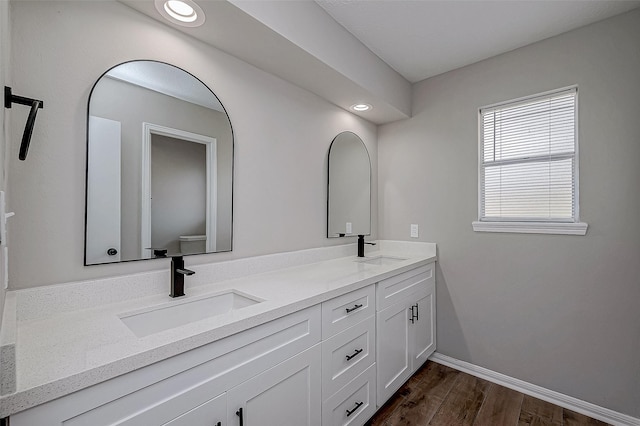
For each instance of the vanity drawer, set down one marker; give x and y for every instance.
(346, 355)
(394, 289)
(354, 404)
(344, 311)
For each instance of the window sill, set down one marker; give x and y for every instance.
(579, 228)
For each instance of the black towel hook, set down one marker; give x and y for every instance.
(10, 98)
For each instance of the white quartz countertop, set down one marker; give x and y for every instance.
(67, 351)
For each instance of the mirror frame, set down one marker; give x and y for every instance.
(86, 188)
(329, 183)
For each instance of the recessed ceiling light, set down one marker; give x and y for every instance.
(361, 107)
(181, 12)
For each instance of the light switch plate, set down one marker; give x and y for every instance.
(349, 227)
(414, 230)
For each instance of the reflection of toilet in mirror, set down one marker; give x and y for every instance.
(190, 244)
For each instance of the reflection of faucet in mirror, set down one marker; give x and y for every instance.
(178, 271)
(361, 244)
(158, 252)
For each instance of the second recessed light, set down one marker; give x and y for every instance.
(361, 107)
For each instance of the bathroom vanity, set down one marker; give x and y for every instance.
(322, 343)
(314, 337)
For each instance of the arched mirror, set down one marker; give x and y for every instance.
(159, 166)
(349, 195)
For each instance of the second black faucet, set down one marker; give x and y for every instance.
(361, 244)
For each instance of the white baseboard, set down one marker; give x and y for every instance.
(565, 401)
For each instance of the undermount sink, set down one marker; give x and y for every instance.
(380, 260)
(176, 314)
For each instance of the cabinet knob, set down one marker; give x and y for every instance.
(112, 251)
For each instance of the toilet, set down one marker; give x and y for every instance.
(190, 244)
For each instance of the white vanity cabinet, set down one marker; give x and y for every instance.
(405, 323)
(265, 366)
(348, 358)
(331, 364)
(287, 394)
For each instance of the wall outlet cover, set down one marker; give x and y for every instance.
(414, 230)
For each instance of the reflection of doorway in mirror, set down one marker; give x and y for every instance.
(178, 180)
(178, 191)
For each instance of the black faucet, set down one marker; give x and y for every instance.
(361, 244)
(178, 271)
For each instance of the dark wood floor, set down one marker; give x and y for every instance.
(438, 395)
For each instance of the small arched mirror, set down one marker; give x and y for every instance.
(349, 195)
(159, 166)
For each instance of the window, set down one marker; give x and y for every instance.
(529, 165)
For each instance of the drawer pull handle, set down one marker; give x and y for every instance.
(239, 414)
(417, 313)
(354, 354)
(349, 310)
(358, 405)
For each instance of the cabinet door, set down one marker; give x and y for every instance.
(211, 413)
(423, 330)
(392, 355)
(288, 394)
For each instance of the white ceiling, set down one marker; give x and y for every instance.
(300, 43)
(420, 39)
(370, 51)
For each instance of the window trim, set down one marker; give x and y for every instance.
(535, 226)
(566, 228)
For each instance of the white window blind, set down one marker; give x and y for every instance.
(528, 166)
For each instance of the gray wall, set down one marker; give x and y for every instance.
(558, 311)
(178, 191)
(131, 106)
(282, 135)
